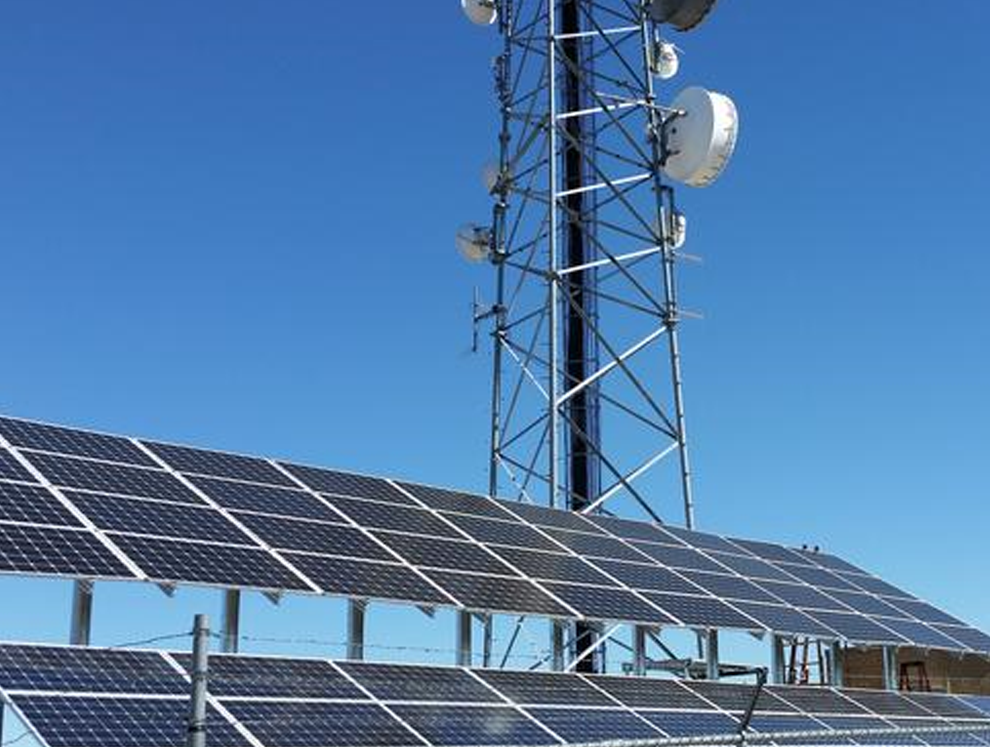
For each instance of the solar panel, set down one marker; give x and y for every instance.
(320, 724)
(511, 533)
(602, 603)
(118, 722)
(544, 688)
(875, 585)
(456, 501)
(57, 552)
(219, 464)
(75, 669)
(632, 530)
(596, 546)
(551, 566)
(43, 437)
(11, 469)
(772, 724)
(377, 515)
(681, 558)
(691, 723)
(497, 594)
(971, 637)
(472, 725)
(831, 562)
(33, 504)
(770, 551)
(738, 698)
(75, 472)
(816, 700)
(941, 705)
(935, 738)
(856, 628)
(647, 577)
(750, 567)
(140, 516)
(785, 620)
(818, 577)
(445, 554)
(729, 587)
(919, 633)
(840, 723)
(643, 692)
(359, 578)
(867, 604)
(208, 563)
(270, 677)
(701, 540)
(314, 537)
(402, 682)
(347, 484)
(548, 517)
(244, 496)
(698, 611)
(803, 596)
(594, 724)
(885, 703)
(925, 612)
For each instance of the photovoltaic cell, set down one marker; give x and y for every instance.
(856, 628)
(679, 557)
(885, 703)
(698, 611)
(596, 546)
(818, 577)
(828, 561)
(511, 533)
(785, 620)
(270, 677)
(975, 639)
(691, 723)
(33, 505)
(314, 537)
(936, 738)
(875, 585)
(420, 684)
(739, 698)
(445, 554)
(245, 496)
(648, 692)
(816, 700)
(770, 551)
(548, 517)
(919, 633)
(498, 594)
(456, 501)
(600, 603)
(845, 723)
(308, 724)
(632, 530)
(57, 552)
(729, 587)
(154, 517)
(750, 567)
(360, 578)
(544, 688)
(118, 722)
(948, 707)
(925, 612)
(11, 469)
(651, 577)
(866, 604)
(219, 464)
(552, 566)
(74, 472)
(773, 724)
(577, 725)
(43, 437)
(472, 725)
(802, 596)
(702, 540)
(201, 563)
(347, 484)
(75, 669)
(389, 516)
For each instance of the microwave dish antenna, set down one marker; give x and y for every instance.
(683, 15)
(480, 12)
(701, 138)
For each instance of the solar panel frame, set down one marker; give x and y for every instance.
(547, 566)
(34, 504)
(12, 469)
(315, 537)
(35, 436)
(535, 688)
(368, 579)
(347, 484)
(265, 499)
(394, 517)
(454, 501)
(445, 554)
(511, 595)
(608, 603)
(647, 577)
(59, 551)
(496, 532)
(633, 530)
(703, 611)
(648, 692)
(460, 725)
(410, 683)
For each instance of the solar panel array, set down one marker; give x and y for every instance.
(81, 504)
(71, 697)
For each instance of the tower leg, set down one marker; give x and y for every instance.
(82, 613)
(356, 609)
(230, 622)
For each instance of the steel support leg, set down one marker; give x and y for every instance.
(777, 663)
(890, 673)
(230, 621)
(486, 643)
(837, 673)
(356, 609)
(557, 645)
(82, 613)
(639, 650)
(464, 653)
(196, 729)
(711, 656)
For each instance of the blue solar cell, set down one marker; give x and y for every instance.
(551, 566)
(766, 724)
(600, 603)
(365, 578)
(802, 596)
(11, 469)
(648, 692)
(118, 722)
(679, 557)
(884, 703)
(856, 628)
(947, 706)
(875, 585)
(42, 437)
(472, 725)
(971, 637)
(375, 515)
(937, 738)
(692, 723)
(818, 577)
(867, 604)
(729, 587)
(739, 698)
(511, 533)
(702, 540)
(57, 552)
(925, 612)
(592, 724)
(831, 562)
(412, 684)
(348, 485)
(544, 688)
(633, 530)
(704, 612)
(308, 724)
(784, 619)
(919, 634)
(182, 521)
(816, 700)
(245, 496)
(445, 554)
(750, 567)
(647, 577)
(846, 723)
(456, 501)
(61, 668)
(548, 517)
(595, 546)
(770, 551)
(497, 594)
(33, 505)
(314, 537)
(269, 677)
(219, 464)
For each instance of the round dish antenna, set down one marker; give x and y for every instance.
(700, 140)
(474, 242)
(490, 176)
(666, 62)
(683, 15)
(480, 12)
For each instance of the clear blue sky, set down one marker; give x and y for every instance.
(230, 224)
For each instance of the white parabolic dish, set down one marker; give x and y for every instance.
(481, 12)
(473, 242)
(701, 141)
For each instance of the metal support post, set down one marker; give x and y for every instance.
(356, 609)
(486, 642)
(230, 622)
(777, 665)
(711, 656)
(889, 656)
(837, 673)
(557, 645)
(639, 650)
(196, 729)
(82, 613)
(464, 621)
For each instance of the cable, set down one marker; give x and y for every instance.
(16, 739)
(149, 641)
